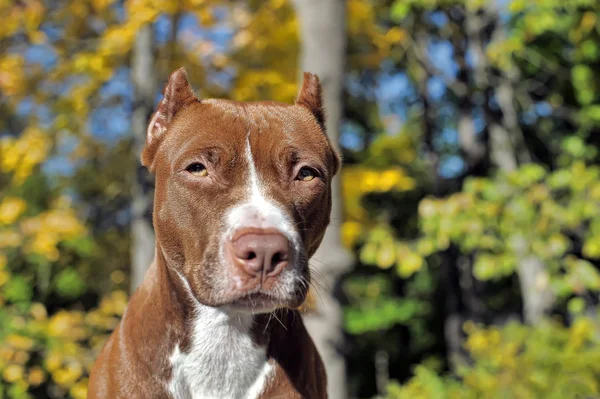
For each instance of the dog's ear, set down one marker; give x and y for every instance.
(178, 94)
(310, 97)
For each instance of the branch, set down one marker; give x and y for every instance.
(422, 58)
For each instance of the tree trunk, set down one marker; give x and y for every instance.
(507, 150)
(144, 80)
(536, 292)
(323, 36)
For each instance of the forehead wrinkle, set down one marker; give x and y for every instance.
(184, 148)
(204, 126)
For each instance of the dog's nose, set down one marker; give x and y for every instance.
(261, 252)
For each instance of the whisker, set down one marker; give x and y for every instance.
(317, 260)
(319, 279)
(268, 321)
(276, 318)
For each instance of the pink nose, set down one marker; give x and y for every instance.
(261, 252)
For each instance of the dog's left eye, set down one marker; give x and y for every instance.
(197, 169)
(306, 174)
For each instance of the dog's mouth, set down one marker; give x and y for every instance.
(263, 302)
(258, 302)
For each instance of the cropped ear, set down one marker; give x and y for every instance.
(178, 94)
(310, 97)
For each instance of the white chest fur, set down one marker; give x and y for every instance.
(223, 361)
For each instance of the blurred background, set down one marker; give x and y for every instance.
(463, 257)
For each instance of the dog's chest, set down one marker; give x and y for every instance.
(223, 360)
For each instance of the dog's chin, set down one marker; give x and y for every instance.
(257, 303)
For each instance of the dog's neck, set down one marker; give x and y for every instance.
(212, 352)
(208, 369)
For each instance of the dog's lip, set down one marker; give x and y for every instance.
(257, 301)
(255, 297)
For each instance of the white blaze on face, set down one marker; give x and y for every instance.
(258, 211)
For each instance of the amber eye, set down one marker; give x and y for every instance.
(306, 174)
(197, 169)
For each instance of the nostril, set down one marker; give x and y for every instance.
(278, 257)
(251, 255)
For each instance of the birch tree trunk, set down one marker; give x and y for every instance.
(144, 80)
(323, 37)
(507, 151)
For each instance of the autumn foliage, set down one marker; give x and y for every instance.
(470, 140)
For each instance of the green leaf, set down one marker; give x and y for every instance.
(576, 305)
(575, 146)
(560, 179)
(486, 267)
(69, 284)
(18, 289)
(589, 49)
(581, 74)
(368, 253)
(381, 315)
(399, 10)
(587, 274)
(592, 112)
(530, 174)
(83, 246)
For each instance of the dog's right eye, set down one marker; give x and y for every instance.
(197, 169)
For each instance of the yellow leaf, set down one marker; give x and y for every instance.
(10, 209)
(389, 178)
(591, 248)
(12, 74)
(13, 373)
(38, 311)
(36, 376)
(21, 357)
(53, 361)
(19, 342)
(79, 390)
(409, 264)
(386, 255)
(351, 231)
(101, 5)
(205, 17)
(66, 376)
(588, 21)
(4, 277)
(395, 35)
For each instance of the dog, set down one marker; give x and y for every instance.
(242, 201)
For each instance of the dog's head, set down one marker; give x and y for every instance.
(242, 193)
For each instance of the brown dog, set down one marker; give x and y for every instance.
(242, 202)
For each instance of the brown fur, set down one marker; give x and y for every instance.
(188, 218)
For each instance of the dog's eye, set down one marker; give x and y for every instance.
(197, 169)
(306, 174)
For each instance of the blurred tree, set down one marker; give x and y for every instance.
(489, 89)
(470, 133)
(547, 360)
(142, 196)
